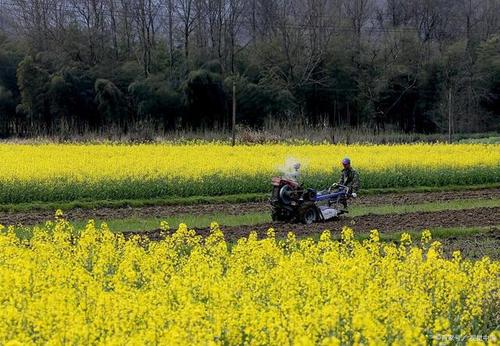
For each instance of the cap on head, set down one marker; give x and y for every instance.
(346, 161)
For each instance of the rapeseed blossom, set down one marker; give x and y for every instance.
(56, 172)
(92, 286)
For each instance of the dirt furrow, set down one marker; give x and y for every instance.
(34, 217)
(365, 223)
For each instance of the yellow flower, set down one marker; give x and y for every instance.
(347, 234)
(374, 235)
(164, 226)
(494, 338)
(457, 256)
(426, 236)
(53, 172)
(96, 287)
(405, 239)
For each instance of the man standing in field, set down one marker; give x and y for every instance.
(350, 178)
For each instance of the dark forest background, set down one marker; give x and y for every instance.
(407, 65)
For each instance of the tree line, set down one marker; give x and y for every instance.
(411, 65)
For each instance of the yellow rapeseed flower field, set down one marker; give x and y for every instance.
(50, 172)
(96, 287)
(193, 161)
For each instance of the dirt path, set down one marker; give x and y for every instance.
(474, 246)
(34, 217)
(365, 223)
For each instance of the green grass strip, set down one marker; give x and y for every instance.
(135, 203)
(424, 207)
(193, 200)
(437, 233)
(198, 221)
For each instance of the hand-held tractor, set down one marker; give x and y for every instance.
(290, 202)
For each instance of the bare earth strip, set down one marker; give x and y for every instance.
(34, 217)
(473, 246)
(476, 245)
(365, 223)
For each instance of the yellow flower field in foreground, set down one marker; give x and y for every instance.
(99, 288)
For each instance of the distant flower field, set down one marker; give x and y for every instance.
(96, 287)
(66, 172)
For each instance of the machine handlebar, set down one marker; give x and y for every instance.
(336, 185)
(346, 188)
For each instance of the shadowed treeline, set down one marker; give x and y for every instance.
(153, 66)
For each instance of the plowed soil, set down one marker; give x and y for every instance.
(34, 217)
(473, 246)
(365, 223)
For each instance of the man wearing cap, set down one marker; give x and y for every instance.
(350, 178)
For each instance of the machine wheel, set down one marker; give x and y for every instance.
(284, 194)
(310, 216)
(278, 215)
(275, 216)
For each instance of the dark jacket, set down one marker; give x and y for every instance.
(349, 177)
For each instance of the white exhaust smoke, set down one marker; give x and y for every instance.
(291, 169)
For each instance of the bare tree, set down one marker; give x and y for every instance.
(233, 22)
(187, 16)
(145, 14)
(490, 18)
(358, 13)
(32, 19)
(91, 14)
(114, 28)
(215, 17)
(126, 26)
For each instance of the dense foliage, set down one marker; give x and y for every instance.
(69, 67)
